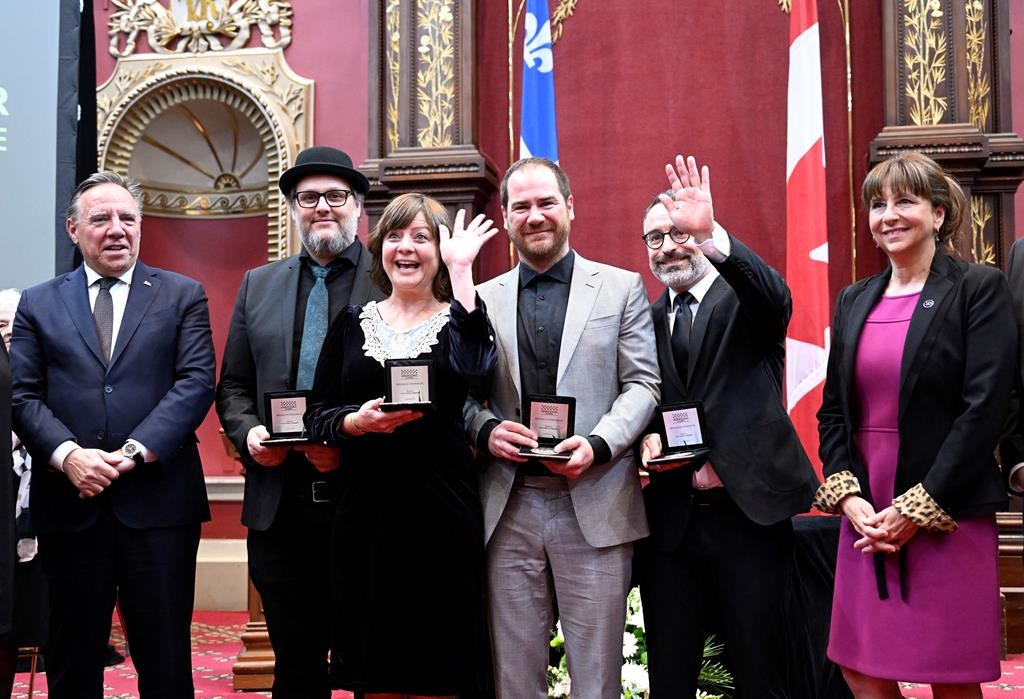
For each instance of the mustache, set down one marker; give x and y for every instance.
(674, 256)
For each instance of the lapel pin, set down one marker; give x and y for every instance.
(928, 303)
(146, 283)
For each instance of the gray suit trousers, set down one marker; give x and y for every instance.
(536, 555)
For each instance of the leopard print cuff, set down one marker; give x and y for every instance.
(921, 509)
(835, 488)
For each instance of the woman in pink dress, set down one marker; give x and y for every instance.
(920, 371)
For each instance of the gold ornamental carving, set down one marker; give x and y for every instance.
(978, 87)
(924, 56)
(435, 74)
(563, 11)
(393, 59)
(251, 91)
(982, 252)
(198, 26)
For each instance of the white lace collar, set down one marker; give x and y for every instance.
(384, 342)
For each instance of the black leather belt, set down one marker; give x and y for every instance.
(709, 497)
(315, 491)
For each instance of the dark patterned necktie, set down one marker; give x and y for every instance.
(681, 333)
(103, 314)
(314, 328)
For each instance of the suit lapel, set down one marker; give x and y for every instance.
(930, 305)
(141, 294)
(290, 295)
(583, 290)
(75, 294)
(503, 310)
(663, 340)
(859, 311)
(362, 285)
(705, 310)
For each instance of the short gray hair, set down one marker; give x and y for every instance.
(657, 201)
(96, 180)
(10, 295)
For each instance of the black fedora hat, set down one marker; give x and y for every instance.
(323, 160)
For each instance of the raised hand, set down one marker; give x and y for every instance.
(690, 206)
(459, 247)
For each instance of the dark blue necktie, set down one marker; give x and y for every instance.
(681, 333)
(314, 328)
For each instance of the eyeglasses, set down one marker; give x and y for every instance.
(335, 197)
(655, 239)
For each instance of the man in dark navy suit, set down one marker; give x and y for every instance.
(113, 370)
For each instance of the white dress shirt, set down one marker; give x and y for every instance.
(715, 248)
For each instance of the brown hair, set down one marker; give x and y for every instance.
(560, 177)
(399, 214)
(917, 174)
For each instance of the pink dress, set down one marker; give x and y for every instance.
(946, 627)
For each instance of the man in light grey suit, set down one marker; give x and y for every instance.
(561, 530)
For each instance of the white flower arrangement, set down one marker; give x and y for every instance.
(635, 684)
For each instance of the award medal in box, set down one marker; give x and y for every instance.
(284, 411)
(553, 418)
(410, 384)
(682, 435)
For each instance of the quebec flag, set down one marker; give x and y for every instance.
(538, 135)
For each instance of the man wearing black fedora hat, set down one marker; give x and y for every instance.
(278, 324)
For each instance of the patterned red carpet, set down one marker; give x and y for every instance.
(214, 648)
(215, 645)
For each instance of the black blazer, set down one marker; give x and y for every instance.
(1011, 448)
(737, 349)
(258, 358)
(957, 370)
(157, 389)
(7, 544)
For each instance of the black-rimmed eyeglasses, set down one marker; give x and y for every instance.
(335, 197)
(655, 239)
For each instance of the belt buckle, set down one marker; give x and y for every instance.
(321, 493)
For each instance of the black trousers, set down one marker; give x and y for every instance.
(731, 576)
(289, 564)
(152, 572)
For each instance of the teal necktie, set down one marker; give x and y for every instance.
(314, 328)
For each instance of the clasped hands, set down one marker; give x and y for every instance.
(881, 532)
(508, 437)
(92, 471)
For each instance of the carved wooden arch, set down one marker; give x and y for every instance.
(256, 83)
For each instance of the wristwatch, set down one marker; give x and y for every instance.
(132, 451)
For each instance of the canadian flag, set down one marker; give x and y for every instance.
(807, 342)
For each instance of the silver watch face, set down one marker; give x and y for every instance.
(129, 450)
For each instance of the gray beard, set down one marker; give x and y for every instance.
(683, 278)
(333, 246)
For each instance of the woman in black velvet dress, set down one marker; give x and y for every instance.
(408, 555)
